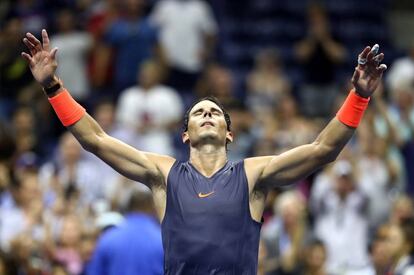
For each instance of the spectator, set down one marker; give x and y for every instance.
(401, 247)
(314, 259)
(379, 252)
(191, 21)
(134, 247)
(26, 132)
(319, 53)
(341, 219)
(267, 82)
(292, 128)
(402, 114)
(286, 234)
(135, 40)
(217, 81)
(151, 109)
(375, 174)
(67, 250)
(73, 173)
(21, 210)
(103, 13)
(73, 48)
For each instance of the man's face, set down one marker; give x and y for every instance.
(207, 124)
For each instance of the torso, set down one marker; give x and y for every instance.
(253, 170)
(207, 225)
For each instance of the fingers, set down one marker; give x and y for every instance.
(28, 59)
(365, 52)
(30, 46)
(53, 53)
(369, 61)
(381, 68)
(362, 57)
(45, 39)
(32, 39)
(378, 58)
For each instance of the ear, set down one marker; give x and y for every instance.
(229, 137)
(185, 137)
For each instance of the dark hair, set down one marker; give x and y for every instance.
(140, 201)
(212, 99)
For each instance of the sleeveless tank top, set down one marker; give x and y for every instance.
(207, 227)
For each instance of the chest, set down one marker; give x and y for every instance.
(223, 195)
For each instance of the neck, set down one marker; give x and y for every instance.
(208, 159)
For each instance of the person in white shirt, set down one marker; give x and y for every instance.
(151, 109)
(187, 34)
(341, 220)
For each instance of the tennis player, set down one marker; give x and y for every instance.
(210, 208)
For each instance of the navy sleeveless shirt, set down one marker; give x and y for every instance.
(207, 227)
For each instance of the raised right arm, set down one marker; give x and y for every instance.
(125, 159)
(150, 169)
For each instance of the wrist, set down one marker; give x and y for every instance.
(52, 86)
(50, 81)
(353, 109)
(359, 94)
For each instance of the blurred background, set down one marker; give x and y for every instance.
(281, 68)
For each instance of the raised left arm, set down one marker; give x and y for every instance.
(301, 161)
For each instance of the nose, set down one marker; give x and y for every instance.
(207, 113)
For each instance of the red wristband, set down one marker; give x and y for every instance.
(67, 109)
(353, 109)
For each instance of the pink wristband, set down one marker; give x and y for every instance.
(353, 109)
(67, 109)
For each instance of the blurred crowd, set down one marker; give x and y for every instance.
(136, 65)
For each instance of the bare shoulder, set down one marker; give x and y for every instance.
(254, 168)
(163, 162)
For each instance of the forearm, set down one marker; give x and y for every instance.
(332, 140)
(83, 126)
(339, 131)
(88, 132)
(303, 160)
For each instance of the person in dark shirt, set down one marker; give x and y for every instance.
(134, 246)
(210, 208)
(320, 54)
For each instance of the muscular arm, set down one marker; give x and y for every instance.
(301, 161)
(147, 168)
(266, 172)
(128, 161)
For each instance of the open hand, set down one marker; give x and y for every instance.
(368, 73)
(42, 61)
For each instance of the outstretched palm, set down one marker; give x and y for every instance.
(42, 61)
(367, 76)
